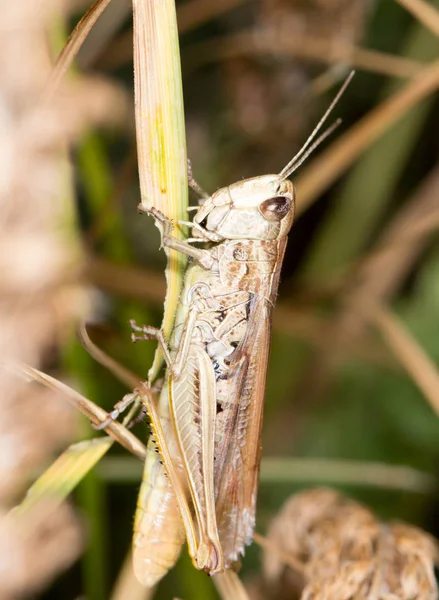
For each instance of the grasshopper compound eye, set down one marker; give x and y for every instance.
(275, 209)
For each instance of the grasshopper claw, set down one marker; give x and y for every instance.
(148, 332)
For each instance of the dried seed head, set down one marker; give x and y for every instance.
(347, 553)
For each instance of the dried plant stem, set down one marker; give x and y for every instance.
(132, 282)
(382, 271)
(193, 13)
(130, 379)
(346, 472)
(316, 49)
(74, 43)
(230, 587)
(423, 11)
(96, 414)
(277, 470)
(326, 80)
(411, 355)
(342, 153)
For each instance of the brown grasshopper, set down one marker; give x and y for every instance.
(201, 471)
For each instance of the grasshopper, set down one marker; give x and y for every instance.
(202, 466)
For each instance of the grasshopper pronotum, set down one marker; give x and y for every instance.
(201, 470)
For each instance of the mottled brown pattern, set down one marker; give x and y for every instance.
(253, 271)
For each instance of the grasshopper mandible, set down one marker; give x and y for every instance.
(201, 471)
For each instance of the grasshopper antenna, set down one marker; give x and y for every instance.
(310, 150)
(306, 150)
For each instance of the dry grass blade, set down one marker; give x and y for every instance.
(346, 472)
(141, 284)
(74, 43)
(63, 475)
(335, 160)
(230, 587)
(313, 329)
(425, 13)
(196, 12)
(380, 274)
(130, 379)
(411, 355)
(321, 471)
(348, 553)
(320, 50)
(96, 414)
(160, 131)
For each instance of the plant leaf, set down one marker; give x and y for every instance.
(160, 131)
(64, 474)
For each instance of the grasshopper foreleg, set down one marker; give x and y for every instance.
(204, 234)
(170, 241)
(151, 333)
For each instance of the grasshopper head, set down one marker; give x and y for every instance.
(261, 208)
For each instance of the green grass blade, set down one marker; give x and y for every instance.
(63, 475)
(160, 131)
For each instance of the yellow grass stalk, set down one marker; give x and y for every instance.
(64, 474)
(161, 142)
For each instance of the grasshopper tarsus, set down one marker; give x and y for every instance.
(167, 223)
(148, 332)
(134, 326)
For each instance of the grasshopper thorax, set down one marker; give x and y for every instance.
(261, 208)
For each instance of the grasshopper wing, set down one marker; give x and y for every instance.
(237, 462)
(193, 404)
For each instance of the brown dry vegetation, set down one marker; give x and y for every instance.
(40, 295)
